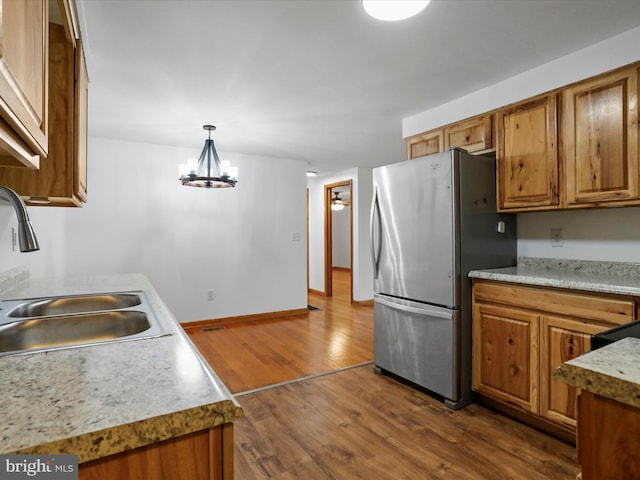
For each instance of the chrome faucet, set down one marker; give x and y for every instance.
(26, 235)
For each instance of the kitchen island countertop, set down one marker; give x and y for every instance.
(99, 400)
(612, 371)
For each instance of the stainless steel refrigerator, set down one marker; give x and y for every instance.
(433, 219)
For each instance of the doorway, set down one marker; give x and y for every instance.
(338, 239)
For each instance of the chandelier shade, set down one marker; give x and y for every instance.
(208, 171)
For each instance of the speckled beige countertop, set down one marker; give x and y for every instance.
(99, 400)
(612, 371)
(604, 277)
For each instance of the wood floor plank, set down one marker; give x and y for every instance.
(252, 354)
(354, 424)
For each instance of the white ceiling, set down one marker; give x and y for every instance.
(313, 80)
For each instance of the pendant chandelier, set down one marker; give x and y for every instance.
(202, 173)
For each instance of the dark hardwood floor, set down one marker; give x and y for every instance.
(311, 414)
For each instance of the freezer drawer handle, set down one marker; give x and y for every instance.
(426, 310)
(375, 212)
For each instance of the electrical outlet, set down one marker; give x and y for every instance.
(210, 295)
(556, 237)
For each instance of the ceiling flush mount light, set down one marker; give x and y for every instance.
(201, 172)
(392, 10)
(311, 173)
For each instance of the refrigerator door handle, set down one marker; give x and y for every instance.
(423, 310)
(375, 212)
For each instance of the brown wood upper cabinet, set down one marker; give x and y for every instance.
(425, 143)
(81, 124)
(474, 134)
(600, 138)
(24, 44)
(61, 179)
(527, 157)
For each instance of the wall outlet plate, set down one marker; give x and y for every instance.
(556, 237)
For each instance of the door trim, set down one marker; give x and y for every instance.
(328, 242)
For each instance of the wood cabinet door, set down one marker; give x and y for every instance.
(561, 340)
(608, 438)
(600, 138)
(203, 455)
(527, 158)
(23, 76)
(474, 135)
(505, 355)
(81, 115)
(425, 143)
(61, 179)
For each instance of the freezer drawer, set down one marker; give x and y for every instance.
(419, 343)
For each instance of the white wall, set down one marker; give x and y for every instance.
(606, 235)
(362, 191)
(341, 237)
(236, 242)
(609, 234)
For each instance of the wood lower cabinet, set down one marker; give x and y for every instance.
(506, 355)
(527, 155)
(608, 438)
(600, 138)
(204, 455)
(24, 44)
(561, 340)
(521, 334)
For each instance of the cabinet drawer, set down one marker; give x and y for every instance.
(614, 309)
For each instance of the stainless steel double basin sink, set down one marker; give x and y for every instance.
(37, 324)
